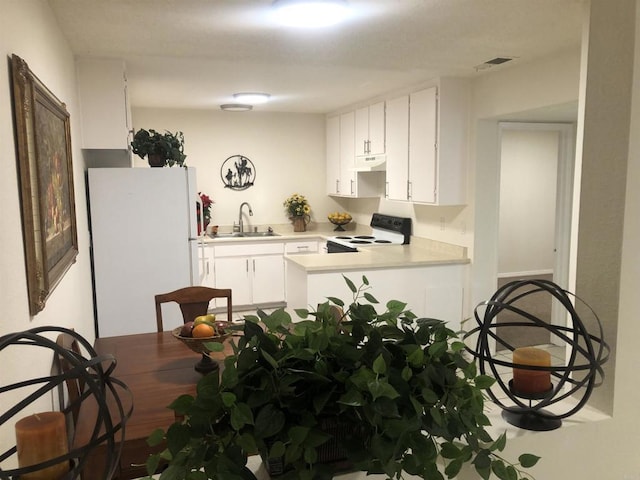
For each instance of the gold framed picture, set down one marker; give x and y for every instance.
(43, 137)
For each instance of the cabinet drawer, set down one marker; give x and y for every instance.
(248, 249)
(308, 246)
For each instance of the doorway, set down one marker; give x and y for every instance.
(536, 172)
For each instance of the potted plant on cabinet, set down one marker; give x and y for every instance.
(160, 148)
(399, 389)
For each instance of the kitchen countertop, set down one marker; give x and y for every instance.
(285, 233)
(420, 252)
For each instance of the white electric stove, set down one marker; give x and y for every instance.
(385, 230)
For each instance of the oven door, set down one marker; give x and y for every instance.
(334, 247)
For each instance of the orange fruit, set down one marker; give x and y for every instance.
(203, 330)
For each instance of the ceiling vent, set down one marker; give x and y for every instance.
(493, 62)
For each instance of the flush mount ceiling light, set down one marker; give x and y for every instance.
(251, 97)
(236, 107)
(310, 13)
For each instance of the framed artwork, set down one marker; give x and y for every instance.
(238, 172)
(43, 137)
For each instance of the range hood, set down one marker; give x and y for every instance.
(376, 163)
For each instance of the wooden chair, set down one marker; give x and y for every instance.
(74, 386)
(193, 301)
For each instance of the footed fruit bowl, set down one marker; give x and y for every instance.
(340, 219)
(198, 345)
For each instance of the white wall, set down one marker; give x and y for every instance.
(28, 29)
(287, 150)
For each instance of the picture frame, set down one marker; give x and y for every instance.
(43, 142)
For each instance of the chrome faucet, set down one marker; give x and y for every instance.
(240, 227)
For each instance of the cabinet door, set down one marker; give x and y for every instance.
(333, 155)
(347, 154)
(369, 130)
(234, 273)
(207, 278)
(397, 148)
(422, 146)
(268, 279)
(377, 129)
(362, 131)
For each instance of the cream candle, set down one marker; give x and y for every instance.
(41, 437)
(531, 381)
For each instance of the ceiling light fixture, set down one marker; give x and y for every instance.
(311, 13)
(251, 97)
(236, 107)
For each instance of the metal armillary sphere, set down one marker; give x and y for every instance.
(100, 388)
(577, 379)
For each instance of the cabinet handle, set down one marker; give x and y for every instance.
(337, 186)
(254, 267)
(246, 262)
(303, 247)
(386, 189)
(351, 187)
(409, 190)
(207, 268)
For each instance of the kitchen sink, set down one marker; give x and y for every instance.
(245, 234)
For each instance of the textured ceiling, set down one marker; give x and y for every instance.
(197, 53)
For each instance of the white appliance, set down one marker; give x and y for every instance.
(385, 230)
(144, 242)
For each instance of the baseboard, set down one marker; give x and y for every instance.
(531, 273)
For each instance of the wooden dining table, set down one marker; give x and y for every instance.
(157, 368)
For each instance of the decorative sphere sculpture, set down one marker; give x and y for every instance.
(586, 353)
(99, 387)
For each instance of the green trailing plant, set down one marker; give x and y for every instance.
(169, 146)
(407, 398)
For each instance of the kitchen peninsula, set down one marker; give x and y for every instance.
(428, 275)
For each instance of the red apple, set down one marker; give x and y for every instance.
(185, 331)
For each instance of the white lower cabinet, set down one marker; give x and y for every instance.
(205, 265)
(254, 272)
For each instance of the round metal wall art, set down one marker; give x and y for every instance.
(238, 172)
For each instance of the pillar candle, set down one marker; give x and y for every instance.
(41, 437)
(531, 381)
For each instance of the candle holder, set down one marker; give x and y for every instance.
(577, 379)
(100, 388)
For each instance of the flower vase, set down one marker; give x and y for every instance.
(299, 224)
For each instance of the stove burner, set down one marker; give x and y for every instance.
(382, 241)
(360, 242)
(364, 237)
(344, 238)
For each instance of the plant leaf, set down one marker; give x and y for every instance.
(528, 460)
(350, 284)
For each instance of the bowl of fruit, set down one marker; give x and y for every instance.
(340, 219)
(202, 331)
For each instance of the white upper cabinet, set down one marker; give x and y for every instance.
(427, 144)
(342, 179)
(370, 130)
(347, 154)
(398, 148)
(333, 155)
(104, 105)
(422, 146)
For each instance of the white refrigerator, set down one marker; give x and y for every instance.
(144, 242)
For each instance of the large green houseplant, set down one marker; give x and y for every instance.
(160, 148)
(408, 400)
